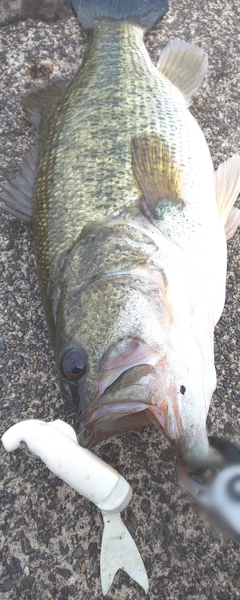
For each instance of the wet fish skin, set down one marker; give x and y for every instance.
(130, 241)
(85, 171)
(85, 177)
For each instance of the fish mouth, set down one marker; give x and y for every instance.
(136, 387)
(124, 406)
(105, 421)
(138, 398)
(128, 382)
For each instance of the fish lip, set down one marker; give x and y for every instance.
(92, 421)
(103, 420)
(101, 413)
(107, 412)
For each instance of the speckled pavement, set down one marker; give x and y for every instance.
(50, 536)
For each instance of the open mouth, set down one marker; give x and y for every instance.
(145, 393)
(105, 421)
(127, 404)
(131, 384)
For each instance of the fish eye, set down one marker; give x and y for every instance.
(73, 365)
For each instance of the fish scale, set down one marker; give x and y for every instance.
(130, 229)
(86, 176)
(117, 93)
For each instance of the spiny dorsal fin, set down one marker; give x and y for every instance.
(227, 185)
(185, 65)
(158, 176)
(17, 194)
(42, 101)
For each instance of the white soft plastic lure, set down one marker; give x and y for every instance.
(57, 446)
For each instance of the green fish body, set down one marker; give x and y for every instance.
(130, 242)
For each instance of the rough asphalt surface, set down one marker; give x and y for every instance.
(50, 536)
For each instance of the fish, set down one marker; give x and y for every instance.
(130, 227)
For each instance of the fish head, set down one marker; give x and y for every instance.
(106, 364)
(134, 347)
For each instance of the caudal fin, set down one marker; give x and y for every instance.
(145, 13)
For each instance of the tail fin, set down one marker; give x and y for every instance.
(145, 13)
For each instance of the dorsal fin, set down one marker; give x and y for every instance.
(185, 65)
(42, 101)
(227, 185)
(158, 176)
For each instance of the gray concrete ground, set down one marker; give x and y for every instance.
(50, 537)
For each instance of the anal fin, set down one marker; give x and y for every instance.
(227, 185)
(16, 195)
(158, 176)
(185, 65)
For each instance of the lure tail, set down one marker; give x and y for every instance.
(119, 551)
(145, 13)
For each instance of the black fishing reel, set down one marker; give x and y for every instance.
(221, 496)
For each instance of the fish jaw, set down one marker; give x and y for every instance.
(154, 393)
(182, 416)
(121, 407)
(189, 443)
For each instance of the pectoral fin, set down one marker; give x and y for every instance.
(232, 223)
(227, 185)
(158, 176)
(16, 195)
(41, 102)
(185, 65)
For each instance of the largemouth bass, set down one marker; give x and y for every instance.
(130, 226)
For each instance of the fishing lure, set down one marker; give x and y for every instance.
(56, 444)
